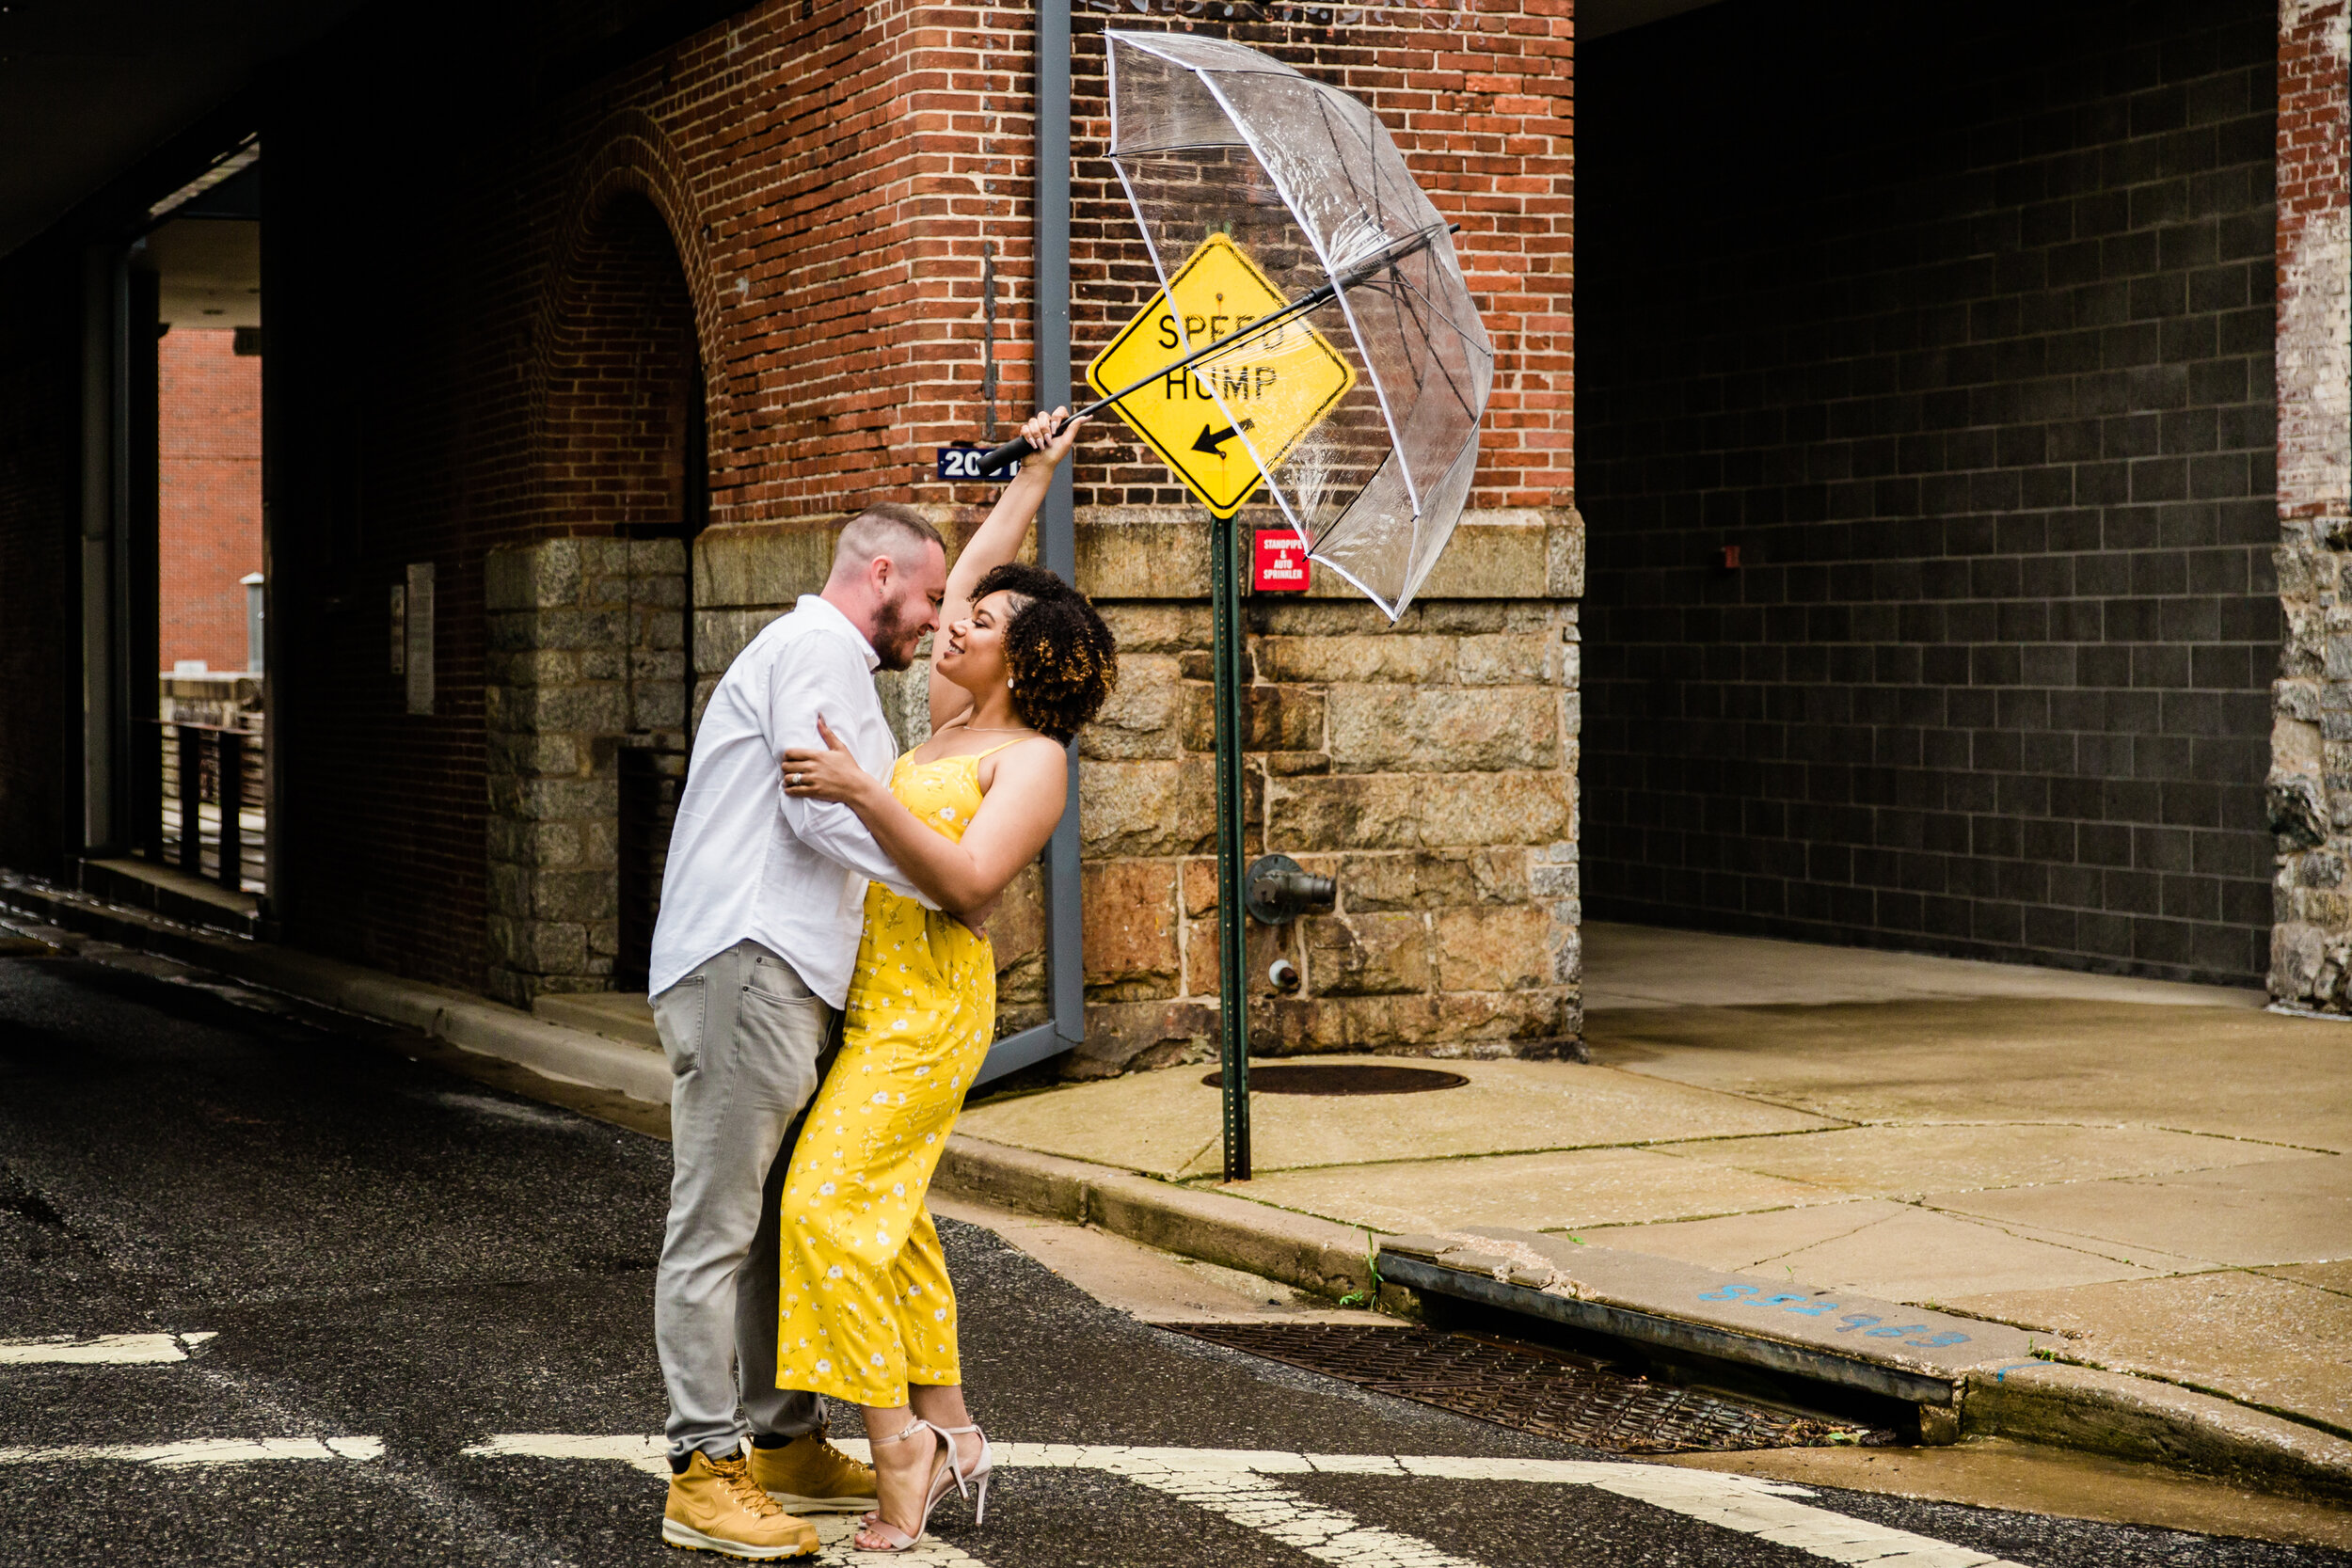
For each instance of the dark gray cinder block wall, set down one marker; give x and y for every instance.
(1955, 320)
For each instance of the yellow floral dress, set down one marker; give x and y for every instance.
(865, 1305)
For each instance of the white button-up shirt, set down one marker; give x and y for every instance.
(748, 861)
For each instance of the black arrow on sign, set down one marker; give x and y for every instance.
(1214, 443)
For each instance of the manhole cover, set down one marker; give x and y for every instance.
(1344, 1078)
(1551, 1393)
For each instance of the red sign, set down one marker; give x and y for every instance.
(1281, 563)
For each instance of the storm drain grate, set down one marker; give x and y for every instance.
(1550, 1393)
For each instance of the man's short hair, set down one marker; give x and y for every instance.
(888, 529)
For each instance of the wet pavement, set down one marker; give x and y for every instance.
(363, 1267)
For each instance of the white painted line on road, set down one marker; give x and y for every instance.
(649, 1454)
(1325, 1534)
(203, 1451)
(106, 1349)
(1771, 1515)
(833, 1531)
(1229, 1481)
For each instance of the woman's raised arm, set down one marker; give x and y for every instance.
(998, 541)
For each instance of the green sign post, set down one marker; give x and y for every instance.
(1231, 811)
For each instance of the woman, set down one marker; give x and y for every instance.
(868, 1314)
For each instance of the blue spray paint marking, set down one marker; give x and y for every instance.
(1814, 1306)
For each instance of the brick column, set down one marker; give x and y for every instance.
(2311, 776)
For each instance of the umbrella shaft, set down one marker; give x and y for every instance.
(1019, 447)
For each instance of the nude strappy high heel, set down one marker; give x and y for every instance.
(978, 1475)
(973, 1482)
(945, 1476)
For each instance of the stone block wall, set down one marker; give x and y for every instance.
(586, 654)
(1983, 401)
(1430, 767)
(2310, 768)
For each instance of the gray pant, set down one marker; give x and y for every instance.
(744, 1038)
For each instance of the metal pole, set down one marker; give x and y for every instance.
(1056, 538)
(1231, 803)
(1057, 528)
(191, 801)
(231, 874)
(101, 269)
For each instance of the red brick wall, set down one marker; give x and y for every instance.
(2314, 157)
(208, 495)
(620, 370)
(827, 175)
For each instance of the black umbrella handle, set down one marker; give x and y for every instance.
(1011, 452)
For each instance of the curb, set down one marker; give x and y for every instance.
(1321, 1257)
(1677, 1305)
(2163, 1423)
(2068, 1406)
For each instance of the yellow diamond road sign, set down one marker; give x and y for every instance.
(1278, 386)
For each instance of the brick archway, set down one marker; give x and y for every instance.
(588, 702)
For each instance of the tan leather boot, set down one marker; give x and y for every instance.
(714, 1506)
(808, 1475)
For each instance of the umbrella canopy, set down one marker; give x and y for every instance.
(1215, 138)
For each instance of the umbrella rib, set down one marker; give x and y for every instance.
(1157, 149)
(1435, 308)
(1331, 133)
(1408, 317)
(1452, 384)
(1397, 308)
(1406, 288)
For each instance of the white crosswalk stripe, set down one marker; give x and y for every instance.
(104, 1350)
(202, 1451)
(1231, 1483)
(1325, 1534)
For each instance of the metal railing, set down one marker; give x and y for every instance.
(217, 765)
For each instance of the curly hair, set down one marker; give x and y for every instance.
(1058, 651)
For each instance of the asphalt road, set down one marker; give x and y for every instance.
(395, 1266)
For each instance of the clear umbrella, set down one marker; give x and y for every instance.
(1215, 138)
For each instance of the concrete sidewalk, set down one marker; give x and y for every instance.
(2150, 1176)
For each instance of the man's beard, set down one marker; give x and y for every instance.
(894, 644)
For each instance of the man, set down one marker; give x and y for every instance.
(761, 908)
